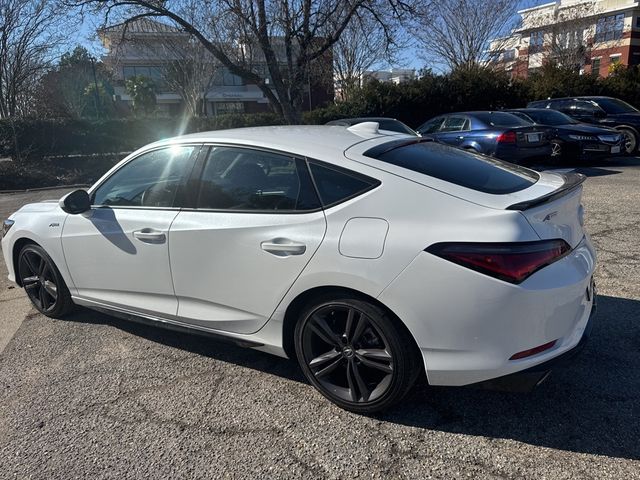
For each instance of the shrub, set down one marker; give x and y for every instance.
(31, 139)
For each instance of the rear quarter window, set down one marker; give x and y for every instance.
(470, 170)
(336, 185)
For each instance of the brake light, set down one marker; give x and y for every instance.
(511, 262)
(507, 137)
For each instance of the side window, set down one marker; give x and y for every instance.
(583, 108)
(153, 179)
(454, 124)
(247, 179)
(561, 105)
(336, 185)
(432, 126)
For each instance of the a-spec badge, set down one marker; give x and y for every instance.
(549, 216)
(54, 224)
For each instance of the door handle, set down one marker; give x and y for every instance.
(283, 247)
(149, 235)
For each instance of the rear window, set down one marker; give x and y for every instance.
(470, 170)
(501, 119)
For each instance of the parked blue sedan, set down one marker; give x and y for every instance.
(498, 134)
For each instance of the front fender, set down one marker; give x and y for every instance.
(42, 228)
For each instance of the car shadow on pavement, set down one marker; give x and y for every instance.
(590, 406)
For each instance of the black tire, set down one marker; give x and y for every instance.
(365, 362)
(43, 283)
(631, 140)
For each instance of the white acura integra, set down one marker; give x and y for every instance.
(371, 258)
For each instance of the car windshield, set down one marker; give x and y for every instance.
(550, 117)
(615, 106)
(470, 170)
(501, 119)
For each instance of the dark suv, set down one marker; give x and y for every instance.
(604, 111)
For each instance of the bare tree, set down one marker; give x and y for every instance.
(29, 33)
(362, 45)
(270, 43)
(457, 32)
(187, 66)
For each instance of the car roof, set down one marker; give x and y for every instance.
(474, 112)
(305, 140)
(525, 109)
(593, 97)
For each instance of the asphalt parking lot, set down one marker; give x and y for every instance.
(97, 397)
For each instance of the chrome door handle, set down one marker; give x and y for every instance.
(149, 235)
(283, 247)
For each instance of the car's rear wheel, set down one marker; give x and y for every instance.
(356, 354)
(630, 143)
(43, 283)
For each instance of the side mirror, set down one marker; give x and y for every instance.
(75, 202)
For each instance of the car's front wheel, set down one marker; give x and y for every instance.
(355, 353)
(630, 142)
(43, 283)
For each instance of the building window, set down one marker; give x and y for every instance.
(610, 28)
(638, 22)
(509, 55)
(223, 77)
(595, 66)
(229, 107)
(155, 73)
(635, 59)
(536, 41)
(614, 59)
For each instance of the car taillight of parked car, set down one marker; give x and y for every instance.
(511, 262)
(507, 137)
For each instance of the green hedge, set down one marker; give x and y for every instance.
(413, 102)
(35, 138)
(477, 89)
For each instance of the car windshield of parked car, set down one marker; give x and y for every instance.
(466, 169)
(550, 117)
(615, 106)
(501, 119)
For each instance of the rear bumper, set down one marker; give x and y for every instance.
(527, 380)
(468, 325)
(516, 154)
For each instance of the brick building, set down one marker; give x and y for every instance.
(589, 35)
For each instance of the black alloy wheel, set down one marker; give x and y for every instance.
(630, 140)
(42, 282)
(356, 355)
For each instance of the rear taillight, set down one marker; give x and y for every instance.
(507, 137)
(511, 262)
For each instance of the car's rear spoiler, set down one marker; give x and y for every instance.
(572, 180)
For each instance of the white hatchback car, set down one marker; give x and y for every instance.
(372, 258)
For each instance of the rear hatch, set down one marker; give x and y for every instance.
(550, 201)
(557, 214)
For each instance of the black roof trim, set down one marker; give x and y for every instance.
(572, 180)
(378, 150)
